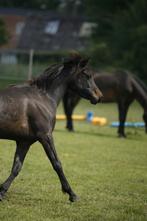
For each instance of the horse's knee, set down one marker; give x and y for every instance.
(17, 169)
(43, 138)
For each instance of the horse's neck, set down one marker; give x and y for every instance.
(57, 92)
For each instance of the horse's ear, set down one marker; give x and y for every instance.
(71, 62)
(83, 62)
(73, 59)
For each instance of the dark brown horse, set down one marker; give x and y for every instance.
(120, 87)
(27, 113)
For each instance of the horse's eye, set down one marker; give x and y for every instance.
(87, 76)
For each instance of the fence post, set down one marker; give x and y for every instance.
(31, 54)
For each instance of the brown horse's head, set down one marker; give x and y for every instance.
(82, 81)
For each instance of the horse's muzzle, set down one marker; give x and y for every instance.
(96, 96)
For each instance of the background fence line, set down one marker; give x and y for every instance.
(17, 66)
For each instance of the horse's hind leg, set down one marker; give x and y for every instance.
(145, 119)
(70, 100)
(21, 151)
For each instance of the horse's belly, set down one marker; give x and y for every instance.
(109, 96)
(15, 129)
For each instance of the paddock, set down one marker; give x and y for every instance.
(108, 173)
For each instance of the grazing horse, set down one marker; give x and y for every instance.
(28, 112)
(120, 87)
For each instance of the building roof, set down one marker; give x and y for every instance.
(14, 11)
(50, 31)
(46, 32)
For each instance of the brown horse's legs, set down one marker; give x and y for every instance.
(145, 119)
(70, 101)
(21, 151)
(49, 148)
(123, 109)
(68, 112)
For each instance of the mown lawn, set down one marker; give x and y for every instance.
(107, 173)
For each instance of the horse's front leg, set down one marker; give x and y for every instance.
(48, 145)
(123, 109)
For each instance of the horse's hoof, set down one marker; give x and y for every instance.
(2, 192)
(63, 191)
(1, 196)
(70, 129)
(73, 198)
(122, 136)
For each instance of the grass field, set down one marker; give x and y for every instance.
(107, 173)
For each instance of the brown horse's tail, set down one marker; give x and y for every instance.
(141, 83)
(140, 91)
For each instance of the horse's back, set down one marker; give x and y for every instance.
(15, 91)
(13, 111)
(20, 108)
(114, 85)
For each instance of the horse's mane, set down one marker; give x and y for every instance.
(54, 72)
(49, 74)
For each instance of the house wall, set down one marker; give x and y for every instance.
(12, 25)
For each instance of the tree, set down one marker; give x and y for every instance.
(129, 36)
(36, 4)
(122, 30)
(3, 33)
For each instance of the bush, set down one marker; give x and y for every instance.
(3, 33)
(101, 55)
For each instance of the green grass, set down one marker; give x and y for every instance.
(107, 173)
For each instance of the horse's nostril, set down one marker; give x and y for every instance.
(101, 97)
(98, 93)
(99, 100)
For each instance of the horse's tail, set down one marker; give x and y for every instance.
(141, 83)
(140, 90)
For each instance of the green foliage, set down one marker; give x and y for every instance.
(122, 27)
(100, 55)
(140, 50)
(3, 33)
(38, 4)
(130, 37)
(98, 8)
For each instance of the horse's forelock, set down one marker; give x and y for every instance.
(74, 58)
(49, 74)
(75, 55)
